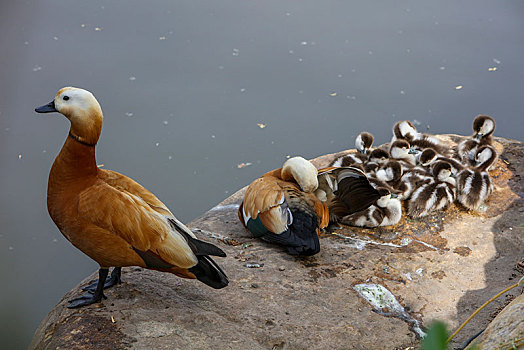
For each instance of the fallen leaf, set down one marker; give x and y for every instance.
(333, 94)
(242, 165)
(458, 87)
(261, 126)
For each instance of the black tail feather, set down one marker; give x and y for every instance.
(199, 248)
(208, 272)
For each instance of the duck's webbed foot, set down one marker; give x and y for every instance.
(91, 298)
(110, 281)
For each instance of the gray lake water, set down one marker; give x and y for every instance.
(184, 85)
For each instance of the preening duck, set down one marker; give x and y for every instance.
(286, 207)
(111, 218)
(483, 128)
(386, 211)
(436, 194)
(363, 143)
(474, 184)
(405, 130)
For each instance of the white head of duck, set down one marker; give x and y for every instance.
(302, 171)
(83, 111)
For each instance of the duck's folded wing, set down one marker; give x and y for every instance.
(265, 200)
(124, 183)
(130, 217)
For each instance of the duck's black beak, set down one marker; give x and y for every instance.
(48, 108)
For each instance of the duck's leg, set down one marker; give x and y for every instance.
(110, 281)
(88, 298)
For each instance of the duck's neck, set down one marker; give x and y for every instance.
(75, 162)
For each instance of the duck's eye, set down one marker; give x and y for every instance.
(65, 98)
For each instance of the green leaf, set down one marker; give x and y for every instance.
(436, 337)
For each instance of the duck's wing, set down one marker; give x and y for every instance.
(124, 183)
(265, 200)
(351, 186)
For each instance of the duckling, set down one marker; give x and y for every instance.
(401, 151)
(483, 127)
(363, 143)
(282, 206)
(405, 130)
(111, 218)
(474, 183)
(436, 194)
(429, 156)
(377, 158)
(385, 212)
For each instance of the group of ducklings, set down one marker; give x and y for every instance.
(424, 171)
(289, 206)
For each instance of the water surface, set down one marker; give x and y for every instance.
(184, 85)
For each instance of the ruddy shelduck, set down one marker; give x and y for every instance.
(286, 206)
(110, 217)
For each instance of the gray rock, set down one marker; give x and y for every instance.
(367, 288)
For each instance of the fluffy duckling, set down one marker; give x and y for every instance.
(386, 211)
(483, 128)
(474, 183)
(401, 151)
(377, 158)
(363, 143)
(282, 206)
(111, 218)
(429, 156)
(436, 194)
(405, 130)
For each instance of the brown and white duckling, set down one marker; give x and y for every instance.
(363, 143)
(483, 127)
(474, 184)
(377, 158)
(437, 194)
(405, 130)
(401, 151)
(429, 156)
(385, 212)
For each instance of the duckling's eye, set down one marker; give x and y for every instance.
(65, 98)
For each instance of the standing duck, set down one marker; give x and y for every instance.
(474, 183)
(386, 211)
(483, 128)
(283, 205)
(111, 218)
(436, 194)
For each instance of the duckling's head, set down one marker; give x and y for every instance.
(302, 171)
(483, 125)
(378, 156)
(442, 170)
(399, 149)
(363, 142)
(404, 130)
(427, 156)
(82, 110)
(485, 156)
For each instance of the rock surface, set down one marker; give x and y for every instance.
(366, 289)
